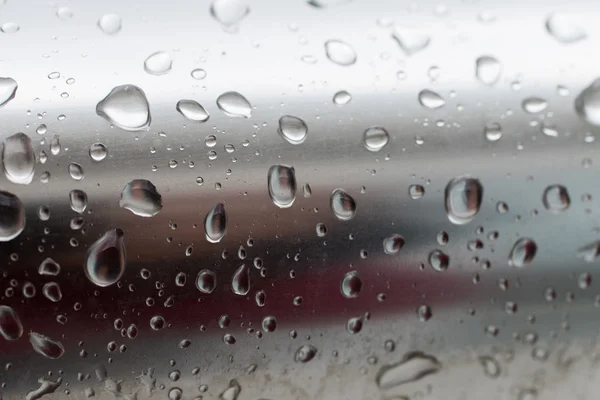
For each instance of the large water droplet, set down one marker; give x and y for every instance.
(18, 159)
(240, 282)
(10, 324)
(439, 260)
(340, 52)
(106, 259)
(12, 216)
(305, 353)
(46, 346)
(192, 110)
(522, 252)
(414, 366)
(393, 244)
(351, 285)
(430, 99)
(411, 40)
(52, 292)
(49, 267)
(487, 70)
(564, 28)
(215, 223)
(127, 107)
(281, 182)
(587, 103)
(342, 205)
(229, 12)
(534, 105)
(8, 89)
(98, 152)
(233, 104)
(341, 98)
(463, 199)
(232, 392)
(556, 198)
(292, 129)
(158, 63)
(141, 198)
(375, 138)
(110, 24)
(206, 281)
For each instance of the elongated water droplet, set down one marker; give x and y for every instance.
(522, 253)
(281, 182)
(232, 392)
(375, 138)
(78, 200)
(12, 216)
(487, 70)
(556, 198)
(534, 105)
(52, 292)
(8, 90)
(45, 346)
(240, 282)
(49, 267)
(229, 12)
(342, 205)
(564, 28)
(463, 199)
(340, 52)
(393, 244)
(10, 324)
(106, 259)
(292, 129)
(351, 285)
(414, 366)
(430, 99)
(305, 353)
(411, 40)
(587, 103)
(206, 281)
(233, 104)
(76, 171)
(590, 252)
(215, 223)
(127, 107)
(18, 159)
(110, 24)
(98, 152)
(341, 98)
(141, 198)
(158, 63)
(192, 110)
(55, 146)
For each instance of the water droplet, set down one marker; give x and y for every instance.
(424, 313)
(305, 353)
(198, 74)
(18, 159)
(564, 28)
(158, 63)
(64, 13)
(351, 285)
(55, 146)
(12, 216)
(549, 129)
(141, 198)
(175, 393)
(157, 323)
(229, 13)
(28, 291)
(492, 132)
(192, 110)
(340, 52)
(240, 282)
(46, 346)
(269, 323)
(8, 89)
(9, 27)
(413, 366)
(556, 198)
(522, 253)
(281, 182)
(233, 104)
(430, 99)
(321, 229)
(491, 367)
(106, 259)
(439, 260)
(52, 292)
(589, 252)
(215, 223)
(110, 24)
(342, 205)
(10, 324)
(393, 244)
(587, 103)
(416, 191)
(229, 339)
(375, 138)
(292, 129)
(260, 298)
(79, 200)
(127, 107)
(49, 267)
(411, 40)
(42, 129)
(232, 392)
(487, 70)
(98, 152)
(463, 199)
(76, 171)
(534, 105)
(342, 98)
(206, 281)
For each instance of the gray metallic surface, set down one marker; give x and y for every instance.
(546, 348)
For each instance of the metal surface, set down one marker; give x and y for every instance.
(538, 323)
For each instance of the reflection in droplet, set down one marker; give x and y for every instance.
(158, 63)
(587, 103)
(375, 138)
(233, 104)
(10, 324)
(206, 281)
(463, 199)
(49, 267)
(411, 40)
(18, 159)
(430, 99)
(439, 260)
(341, 98)
(487, 70)
(12, 216)
(269, 323)
(110, 24)
(564, 28)
(556, 198)
(534, 105)
(522, 252)
(106, 259)
(127, 107)
(351, 285)
(192, 110)
(141, 198)
(342, 205)
(281, 182)
(215, 223)
(393, 244)
(52, 292)
(292, 129)
(305, 353)
(229, 12)
(76, 171)
(240, 282)
(45, 346)
(8, 89)
(98, 152)
(414, 366)
(340, 52)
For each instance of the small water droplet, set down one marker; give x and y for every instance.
(565, 28)
(522, 252)
(198, 74)
(463, 199)
(411, 40)
(12, 216)
(240, 281)
(491, 367)
(492, 132)
(430, 99)
(64, 13)
(175, 393)
(342, 98)
(55, 146)
(424, 313)
(157, 323)
(534, 105)
(340, 52)
(158, 63)
(8, 90)
(215, 223)
(487, 70)
(98, 152)
(127, 107)
(281, 182)
(413, 366)
(141, 198)
(10, 324)
(110, 24)
(416, 191)
(351, 285)
(305, 353)
(49, 267)
(233, 104)
(556, 198)
(375, 138)
(393, 244)
(229, 13)
(106, 259)
(42, 129)
(342, 205)
(549, 129)
(18, 159)
(76, 171)
(206, 281)
(192, 110)
(52, 292)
